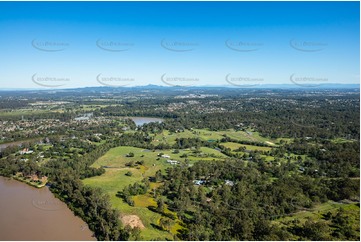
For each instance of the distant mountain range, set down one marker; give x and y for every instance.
(151, 86)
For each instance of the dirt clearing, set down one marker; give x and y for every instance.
(132, 221)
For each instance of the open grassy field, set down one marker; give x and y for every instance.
(169, 138)
(116, 158)
(341, 140)
(22, 112)
(268, 157)
(234, 146)
(205, 134)
(115, 180)
(248, 135)
(208, 135)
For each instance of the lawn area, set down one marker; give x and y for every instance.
(248, 136)
(211, 151)
(99, 143)
(116, 158)
(21, 112)
(207, 135)
(284, 140)
(92, 107)
(268, 158)
(234, 146)
(237, 135)
(169, 138)
(341, 140)
(205, 154)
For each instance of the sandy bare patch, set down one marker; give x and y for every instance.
(270, 143)
(132, 221)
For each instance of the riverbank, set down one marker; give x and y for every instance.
(37, 184)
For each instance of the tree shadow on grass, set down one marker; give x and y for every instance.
(157, 227)
(169, 215)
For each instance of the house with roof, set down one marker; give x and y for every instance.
(173, 162)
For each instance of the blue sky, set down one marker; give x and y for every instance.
(78, 44)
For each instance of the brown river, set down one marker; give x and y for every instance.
(28, 213)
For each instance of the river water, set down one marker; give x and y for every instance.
(28, 213)
(145, 120)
